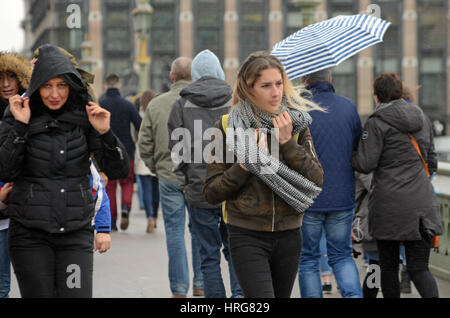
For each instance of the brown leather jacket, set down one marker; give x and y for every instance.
(250, 203)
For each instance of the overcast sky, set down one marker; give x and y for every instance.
(11, 15)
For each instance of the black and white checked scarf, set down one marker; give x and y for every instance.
(295, 189)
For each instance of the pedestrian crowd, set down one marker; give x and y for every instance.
(281, 180)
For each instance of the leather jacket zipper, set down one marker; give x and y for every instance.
(273, 212)
(311, 149)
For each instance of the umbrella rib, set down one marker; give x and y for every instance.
(355, 38)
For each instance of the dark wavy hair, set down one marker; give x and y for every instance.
(388, 87)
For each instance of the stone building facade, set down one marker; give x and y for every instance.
(416, 46)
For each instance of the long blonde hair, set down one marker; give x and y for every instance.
(250, 71)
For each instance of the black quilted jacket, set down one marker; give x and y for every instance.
(48, 159)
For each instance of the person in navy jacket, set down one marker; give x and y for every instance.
(123, 114)
(335, 133)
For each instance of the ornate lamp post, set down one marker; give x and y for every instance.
(142, 20)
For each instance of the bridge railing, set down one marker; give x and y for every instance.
(440, 257)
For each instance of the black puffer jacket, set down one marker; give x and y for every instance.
(21, 68)
(48, 159)
(403, 198)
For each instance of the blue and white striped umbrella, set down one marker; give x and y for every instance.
(326, 44)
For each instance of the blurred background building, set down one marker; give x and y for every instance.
(416, 46)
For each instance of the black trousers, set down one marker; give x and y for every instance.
(52, 265)
(265, 263)
(417, 258)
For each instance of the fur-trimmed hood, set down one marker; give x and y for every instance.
(12, 62)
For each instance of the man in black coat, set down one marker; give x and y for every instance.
(123, 114)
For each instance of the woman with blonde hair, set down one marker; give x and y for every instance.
(265, 195)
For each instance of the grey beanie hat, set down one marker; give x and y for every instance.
(206, 63)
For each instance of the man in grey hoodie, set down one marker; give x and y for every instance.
(201, 105)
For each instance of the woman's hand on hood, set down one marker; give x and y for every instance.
(20, 108)
(98, 117)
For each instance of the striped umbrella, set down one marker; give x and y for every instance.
(326, 44)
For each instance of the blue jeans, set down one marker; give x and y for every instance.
(212, 234)
(5, 267)
(325, 269)
(337, 226)
(174, 213)
(403, 255)
(372, 256)
(366, 257)
(375, 257)
(140, 192)
(150, 194)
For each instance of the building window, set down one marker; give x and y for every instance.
(44, 38)
(117, 65)
(293, 19)
(70, 38)
(117, 40)
(117, 28)
(163, 43)
(387, 55)
(342, 7)
(432, 43)
(117, 36)
(345, 74)
(38, 11)
(253, 27)
(208, 26)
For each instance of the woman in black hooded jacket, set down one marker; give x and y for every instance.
(46, 140)
(403, 207)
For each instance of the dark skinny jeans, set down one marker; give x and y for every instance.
(52, 265)
(417, 258)
(265, 263)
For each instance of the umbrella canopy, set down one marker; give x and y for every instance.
(328, 43)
